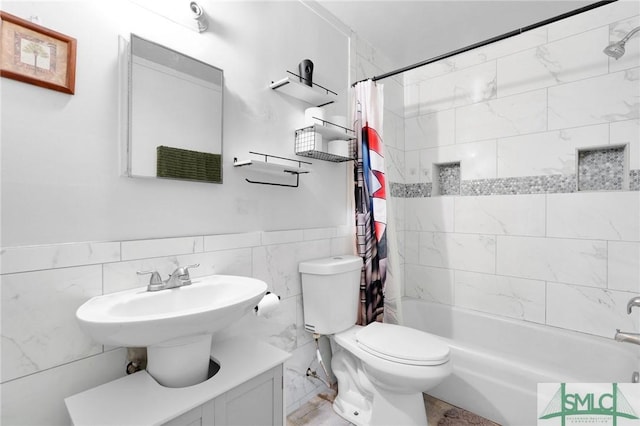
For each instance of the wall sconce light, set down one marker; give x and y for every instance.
(197, 12)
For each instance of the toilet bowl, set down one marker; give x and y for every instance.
(382, 369)
(390, 366)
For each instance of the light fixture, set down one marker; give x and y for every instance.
(197, 12)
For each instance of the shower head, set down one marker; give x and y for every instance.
(616, 50)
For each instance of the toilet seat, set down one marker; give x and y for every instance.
(402, 345)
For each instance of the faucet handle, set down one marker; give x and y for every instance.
(186, 276)
(155, 282)
(180, 276)
(186, 268)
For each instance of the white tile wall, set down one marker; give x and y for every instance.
(508, 116)
(478, 160)
(627, 132)
(569, 260)
(467, 86)
(39, 327)
(467, 252)
(230, 241)
(432, 284)
(298, 388)
(41, 336)
(142, 249)
(508, 296)
(569, 59)
(277, 265)
(581, 262)
(590, 310)
(430, 130)
(631, 58)
(38, 399)
(32, 258)
(594, 215)
(501, 215)
(477, 56)
(624, 266)
(547, 153)
(610, 97)
(429, 214)
(594, 18)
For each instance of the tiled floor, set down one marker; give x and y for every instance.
(318, 412)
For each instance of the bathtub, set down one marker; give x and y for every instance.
(497, 361)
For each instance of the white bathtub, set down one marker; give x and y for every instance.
(497, 361)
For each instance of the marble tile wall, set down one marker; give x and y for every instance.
(42, 286)
(520, 240)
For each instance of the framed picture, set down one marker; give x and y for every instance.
(36, 55)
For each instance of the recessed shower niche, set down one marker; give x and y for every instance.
(446, 179)
(603, 169)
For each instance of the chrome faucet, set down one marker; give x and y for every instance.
(633, 302)
(178, 278)
(623, 336)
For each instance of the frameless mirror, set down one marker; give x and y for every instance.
(174, 114)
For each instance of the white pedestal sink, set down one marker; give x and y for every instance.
(175, 325)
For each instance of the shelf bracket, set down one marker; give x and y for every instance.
(291, 172)
(278, 184)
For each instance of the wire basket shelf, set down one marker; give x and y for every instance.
(312, 142)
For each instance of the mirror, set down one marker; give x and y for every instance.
(174, 115)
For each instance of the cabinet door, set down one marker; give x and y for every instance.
(199, 416)
(256, 402)
(190, 418)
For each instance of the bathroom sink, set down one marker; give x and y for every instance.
(175, 325)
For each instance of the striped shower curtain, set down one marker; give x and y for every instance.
(370, 200)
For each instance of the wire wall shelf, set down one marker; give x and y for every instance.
(326, 141)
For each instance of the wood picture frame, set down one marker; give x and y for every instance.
(36, 55)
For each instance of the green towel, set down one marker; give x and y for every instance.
(179, 163)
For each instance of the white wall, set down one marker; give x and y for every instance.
(520, 241)
(60, 175)
(72, 228)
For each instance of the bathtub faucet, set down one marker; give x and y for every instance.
(633, 302)
(623, 336)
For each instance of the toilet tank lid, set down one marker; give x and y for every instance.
(331, 265)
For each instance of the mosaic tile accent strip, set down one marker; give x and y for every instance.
(634, 180)
(397, 189)
(520, 185)
(601, 169)
(553, 184)
(448, 179)
(411, 190)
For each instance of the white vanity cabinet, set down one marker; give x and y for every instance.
(200, 416)
(248, 390)
(258, 401)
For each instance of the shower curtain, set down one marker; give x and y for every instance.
(371, 201)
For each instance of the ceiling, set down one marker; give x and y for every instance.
(408, 32)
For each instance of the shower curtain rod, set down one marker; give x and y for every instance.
(489, 41)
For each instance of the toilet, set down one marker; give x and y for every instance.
(382, 369)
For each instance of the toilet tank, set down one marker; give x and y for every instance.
(330, 293)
